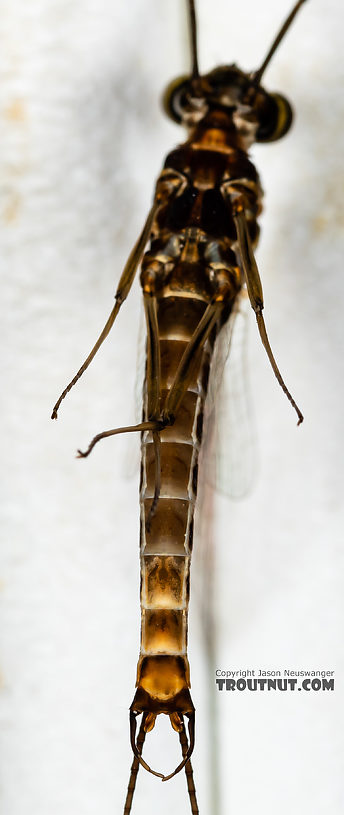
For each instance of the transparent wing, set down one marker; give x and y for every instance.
(230, 439)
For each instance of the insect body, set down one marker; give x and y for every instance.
(202, 230)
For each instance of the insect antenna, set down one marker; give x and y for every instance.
(134, 769)
(193, 33)
(189, 773)
(257, 75)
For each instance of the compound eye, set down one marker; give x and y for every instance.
(174, 97)
(275, 118)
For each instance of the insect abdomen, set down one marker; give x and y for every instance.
(166, 541)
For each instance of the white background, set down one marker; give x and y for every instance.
(83, 139)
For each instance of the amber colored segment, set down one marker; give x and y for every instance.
(178, 317)
(187, 276)
(181, 430)
(166, 534)
(163, 631)
(164, 581)
(171, 352)
(175, 469)
(161, 680)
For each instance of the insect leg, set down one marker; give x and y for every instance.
(153, 381)
(152, 426)
(185, 368)
(224, 292)
(153, 389)
(123, 289)
(153, 356)
(255, 291)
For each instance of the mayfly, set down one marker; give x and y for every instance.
(202, 231)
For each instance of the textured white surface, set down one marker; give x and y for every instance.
(83, 140)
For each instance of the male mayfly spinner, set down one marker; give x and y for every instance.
(201, 230)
